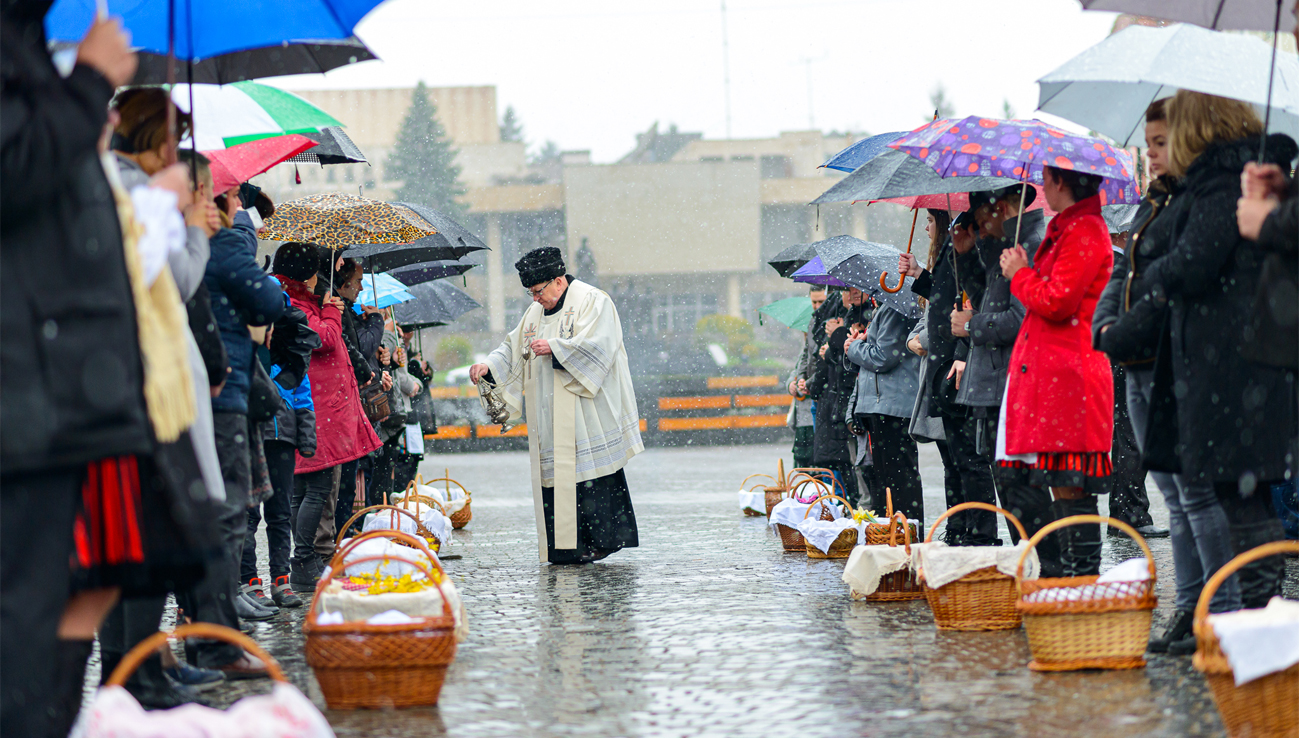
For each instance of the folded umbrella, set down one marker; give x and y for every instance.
(336, 147)
(795, 312)
(435, 303)
(381, 290)
(337, 220)
(791, 258)
(240, 163)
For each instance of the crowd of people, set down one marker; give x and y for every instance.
(163, 392)
(1056, 361)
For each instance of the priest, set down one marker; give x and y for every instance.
(565, 365)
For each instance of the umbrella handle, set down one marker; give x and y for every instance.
(884, 285)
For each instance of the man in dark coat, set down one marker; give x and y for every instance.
(831, 386)
(71, 380)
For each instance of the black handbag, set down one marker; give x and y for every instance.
(264, 399)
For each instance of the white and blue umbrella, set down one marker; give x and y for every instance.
(382, 290)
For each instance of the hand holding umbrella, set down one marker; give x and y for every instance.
(1012, 260)
(915, 213)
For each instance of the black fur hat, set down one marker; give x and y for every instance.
(540, 265)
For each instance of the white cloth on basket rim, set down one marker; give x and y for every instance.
(755, 501)
(822, 533)
(944, 564)
(790, 512)
(868, 564)
(437, 523)
(1259, 642)
(354, 606)
(390, 550)
(1127, 579)
(284, 713)
(453, 505)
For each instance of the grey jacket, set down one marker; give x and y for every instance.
(404, 387)
(924, 427)
(995, 325)
(800, 409)
(890, 374)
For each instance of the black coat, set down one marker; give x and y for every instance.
(831, 387)
(953, 274)
(1235, 418)
(71, 381)
(1276, 305)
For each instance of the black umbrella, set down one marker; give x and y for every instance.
(450, 242)
(333, 146)
(789, 260)
(436, 303)
(430, 270)
(460, 238)
(302, 57)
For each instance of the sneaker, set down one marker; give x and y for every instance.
(283, 593)
(248, 609)
(1179, 627)
(193, 677)
(255, 590)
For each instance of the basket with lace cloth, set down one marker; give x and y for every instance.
(973, 587)
(841, 546)
(1266, 705)
(1086, 622)
(786, 516)
(456, 504)
(883, 572)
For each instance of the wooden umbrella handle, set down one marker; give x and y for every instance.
(145, 648)
(884, 285)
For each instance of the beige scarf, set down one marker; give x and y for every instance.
(161, 321)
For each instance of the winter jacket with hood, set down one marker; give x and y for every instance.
(242, 295)
(1060, 392)
(1235, 418)
(71, 380)
(295, 420)
(889, 374)
(995, 324)
(342, 432)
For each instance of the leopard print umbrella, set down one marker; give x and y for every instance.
(337, 220)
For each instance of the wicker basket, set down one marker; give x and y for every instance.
(424, 532)
(359, 665)
(149, 646)
(1267, 707)
(842, 546)
(881, 534)
(981, 600)
(790, 539)
(902, 584)
(1106, 632)
(773, 480)
(460, 518)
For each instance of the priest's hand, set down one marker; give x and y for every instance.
(477, 372)
(540, 347)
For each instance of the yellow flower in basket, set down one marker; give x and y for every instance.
(864, 516)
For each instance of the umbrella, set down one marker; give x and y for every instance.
(795, 312)
(865, 270)
(1108, 87)
(955, 202)
(979, 148)
(894, 174)
(298, 57)
(815, 272)
(428, 271)
(460, 238)
(449, 241)
(241, 163)
(335, 147)
(435, 303)
(792, 258)
(199, 29)
(227, 115)
(1119, 217)
(382, 291)
(1236, 15)
(338, 220)
(862, 151)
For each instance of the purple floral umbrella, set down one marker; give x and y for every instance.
(1018, 149)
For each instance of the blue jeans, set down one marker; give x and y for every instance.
(1197, 523)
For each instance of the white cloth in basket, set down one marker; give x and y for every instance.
(354, 606)
(437, 523)
(1126, 579)
(868, 564)
(1259, 642)
(284, 713)
(944, 564)
(790, 511)
(822, 533)
(386, 548)
(755, 501)
(453, 504)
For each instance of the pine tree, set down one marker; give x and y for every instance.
(1007, 111)
(547, 153)
(511, 128)
(939, 102)
(423, 160)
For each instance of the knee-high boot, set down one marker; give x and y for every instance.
(1260, 581)
(1080, 545)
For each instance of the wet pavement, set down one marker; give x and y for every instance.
(710, 629)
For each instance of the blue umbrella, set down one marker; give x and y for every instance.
(208, 28)
(387, 290)
(862, 151)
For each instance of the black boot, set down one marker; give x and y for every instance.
(1080, 545)
(71, 656)
(1178, 628)
(1260, 581)
(153, 690)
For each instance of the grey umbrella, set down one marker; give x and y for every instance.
(451, 242)
(790, 259)
(896, 174)
(430, 270)
(860, 263)
(1119, 217)
(333, 146)
(460, 238)
(1234, 15)
(436, 303)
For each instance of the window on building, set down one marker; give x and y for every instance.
(776, 167)
(742, 158)
(712, 159)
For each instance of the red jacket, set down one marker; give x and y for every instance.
(342, 432)
(1060, 392)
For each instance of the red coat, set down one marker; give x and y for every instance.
(342, 432)
(1060, 392)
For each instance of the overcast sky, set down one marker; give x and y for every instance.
(590, 74)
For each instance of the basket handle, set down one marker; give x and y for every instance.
(1231, 567)
(450, 482)
(1055, 525)
(330, 574)
(397, 535)
(145, 648)
(906, 531)
(342, 533)
(822, 497)
(976, 506)
(793, 491)
(751, 476)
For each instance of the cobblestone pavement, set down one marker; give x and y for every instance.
(708, 629)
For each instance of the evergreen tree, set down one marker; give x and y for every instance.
(547, 153)
(423, 160)
(1007, 111)
(511, 128)
(938, 101)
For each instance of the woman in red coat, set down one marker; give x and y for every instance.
(1059, 408)
(342, 432)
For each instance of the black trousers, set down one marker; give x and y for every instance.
(347, 496)
(1127, 484)
(897, 467)
(975, 471)
(280, 460)
(951, 490)
(1030, 504)
(310, 493)
(37, 511)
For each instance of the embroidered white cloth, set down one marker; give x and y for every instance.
(868, 564)
(284, 713)
(789, 511)
(1125, 579)
(944, 564)
(353, 606)
(437, 523)
(755, 501)
(1259, 642)
(822, 533)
